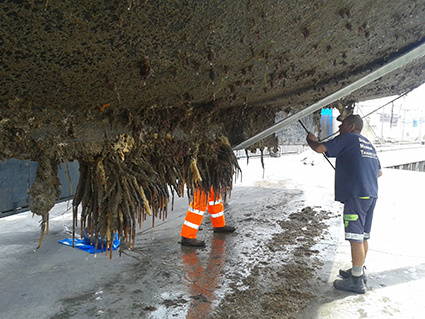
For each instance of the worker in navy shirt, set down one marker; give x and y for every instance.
(356, 186)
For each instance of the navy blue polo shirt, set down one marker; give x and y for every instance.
(357, 166)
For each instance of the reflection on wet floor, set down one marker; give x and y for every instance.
(276, 263)
(201, 281)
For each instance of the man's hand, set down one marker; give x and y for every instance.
(316, 146)
(311, 137)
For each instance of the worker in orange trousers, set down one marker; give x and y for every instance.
(195, 213)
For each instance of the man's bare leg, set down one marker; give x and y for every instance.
(355, 281)
(358, 253)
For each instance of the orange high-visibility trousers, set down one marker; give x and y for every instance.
(195, 213)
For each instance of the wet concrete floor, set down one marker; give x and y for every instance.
(268, 268)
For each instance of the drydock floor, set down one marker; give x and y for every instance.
(239, 275)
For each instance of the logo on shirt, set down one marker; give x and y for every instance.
(366, 149)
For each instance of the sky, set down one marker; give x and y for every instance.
(415, 99)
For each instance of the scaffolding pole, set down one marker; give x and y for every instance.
(405, 59)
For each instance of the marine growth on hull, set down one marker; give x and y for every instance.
(128, 181)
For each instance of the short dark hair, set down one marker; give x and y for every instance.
(356, 120)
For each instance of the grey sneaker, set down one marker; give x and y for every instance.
(351, 284)
(347, 273)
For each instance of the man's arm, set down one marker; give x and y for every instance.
(315, 146)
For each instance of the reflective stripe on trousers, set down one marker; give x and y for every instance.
(195, 213)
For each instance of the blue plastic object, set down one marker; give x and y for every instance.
(87, 239)
(84, 245)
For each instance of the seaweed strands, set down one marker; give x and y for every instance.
(215, 166)
(43, 192)
(112, 201)
(129, 181)
(114, 194)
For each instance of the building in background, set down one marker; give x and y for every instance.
(401, 121)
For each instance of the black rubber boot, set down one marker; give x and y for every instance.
(224, 229)
(351, 284)
(347, 273)
(192, 242)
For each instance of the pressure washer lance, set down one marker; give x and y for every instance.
(322, 153)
